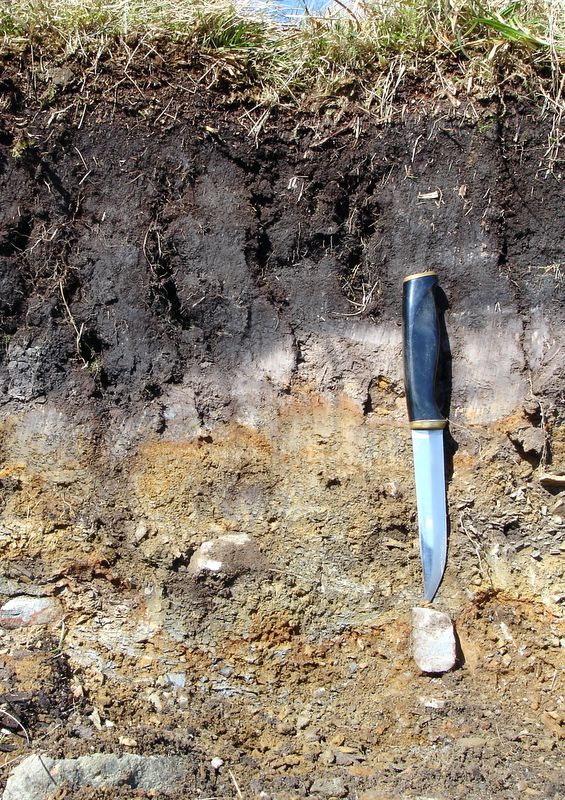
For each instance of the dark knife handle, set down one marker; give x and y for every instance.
(420, 325)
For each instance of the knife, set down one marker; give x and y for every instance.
(420, 322)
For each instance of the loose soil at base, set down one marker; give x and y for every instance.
(200, 315)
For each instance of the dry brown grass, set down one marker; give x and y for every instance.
(365, 51)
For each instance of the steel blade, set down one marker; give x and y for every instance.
(430, 497)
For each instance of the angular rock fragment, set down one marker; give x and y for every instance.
(559, 506)
(176, 679)
(433, 640)
(231, 554)
(40, 777)
(329, 787)
(24, 611)
(553, 481)
(531, 441)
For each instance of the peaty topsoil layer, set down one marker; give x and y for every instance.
(201, 342)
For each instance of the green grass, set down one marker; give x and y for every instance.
(362, 53)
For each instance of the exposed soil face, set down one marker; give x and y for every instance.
(202, 342)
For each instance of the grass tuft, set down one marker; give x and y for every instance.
(350, 35)
(362, 49)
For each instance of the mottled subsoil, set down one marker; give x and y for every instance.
(201, 336)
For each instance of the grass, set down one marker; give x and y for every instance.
(315, 53)
(363, 50)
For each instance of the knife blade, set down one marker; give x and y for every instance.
(420, 324)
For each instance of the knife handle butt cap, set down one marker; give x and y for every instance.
(421, 350)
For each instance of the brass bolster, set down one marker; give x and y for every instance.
(428, 424)
(419, 275)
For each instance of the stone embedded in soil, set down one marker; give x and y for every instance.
(176, 679)
(232, 554)
(433, 640)
(531, 440)
(470, 742)
(38, 778)
(327, 757)
(24, 611)
(345, 759)
(553, 481)
(329, 787)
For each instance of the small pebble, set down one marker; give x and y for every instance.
(284, 728)
(432, 702)
(228, 553)
(302, 721)
(95, 718)
(177, 679)
(433, 640)
(216, 763)
(327, 757)
(127, 741)
(329, 787)
(344, 759)
(471, 742)
(155, 701)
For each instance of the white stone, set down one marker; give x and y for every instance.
(216, 763)
(226, 554)
(432, 702)
(202, 560)
(433, 640)
(25, 611)
(177, 679)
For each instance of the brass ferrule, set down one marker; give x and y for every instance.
(427, 273)
(428, 424)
